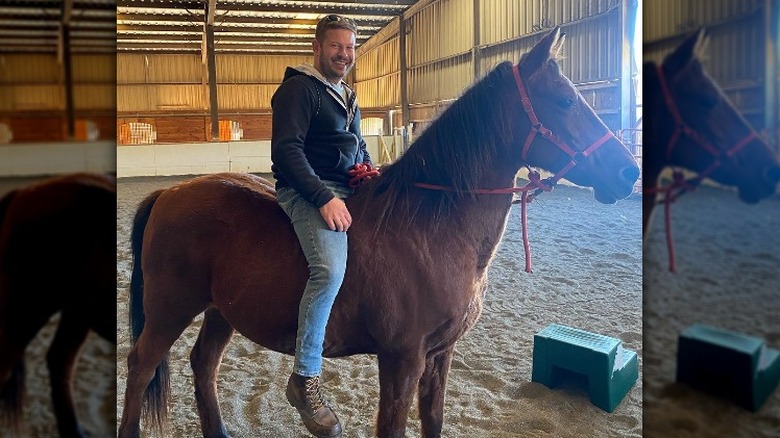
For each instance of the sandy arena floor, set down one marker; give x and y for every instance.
(728, 275)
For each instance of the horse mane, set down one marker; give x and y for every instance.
(454, 151)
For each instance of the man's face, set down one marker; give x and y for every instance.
(335, 55)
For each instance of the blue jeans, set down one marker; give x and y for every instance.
(326, 253)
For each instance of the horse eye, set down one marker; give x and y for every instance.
(566, 102)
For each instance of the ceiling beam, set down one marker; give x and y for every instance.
(220, 19)
(355, 7)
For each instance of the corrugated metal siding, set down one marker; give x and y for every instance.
(131, 69)
(590, 53)
(36, 98)
(255, 69)
(438, 51)
(94, 68)
(35, 82)
(94, 97)
(168, 69)
(385, 58)
(510, 18)
(94, 82)
(441, 48)
(29, 68)
(132, 98)
(180, 82)
(382, 92)
(669, 17)
(439, 81)
(441, 29)
(30, 82)
(377, 77)
(735, 55)
(244, 96)
(161, 98)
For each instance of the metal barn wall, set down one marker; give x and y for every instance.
(451, 43)
(377, 76)
(169, 83)
(592, 57)
(35, 82)
(741, 56)
(33, 105)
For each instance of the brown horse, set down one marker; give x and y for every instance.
(57, 254)
(691, 124)
(418, 257)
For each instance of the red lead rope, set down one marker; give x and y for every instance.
(679, 184)
(677, 188)
(535, 183)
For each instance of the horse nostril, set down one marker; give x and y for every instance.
(772, 174)
(630, 173)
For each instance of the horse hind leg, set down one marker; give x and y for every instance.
(61, 361)
(12, 395)
(147, 372)
(399, 375)
(431, 392)
(206, 356)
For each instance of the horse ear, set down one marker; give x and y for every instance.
(702, 43)
(555, 50)
(692, 48)
(548, 47)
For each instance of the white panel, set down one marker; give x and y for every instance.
(33, 159)
(194, 158)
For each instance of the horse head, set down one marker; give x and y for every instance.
(567, 137)
(706, 133)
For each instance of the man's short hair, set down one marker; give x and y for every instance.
(334, 21)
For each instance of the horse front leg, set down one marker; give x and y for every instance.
(61, 361)
(206, 356)
(431, 393)
(399, 374)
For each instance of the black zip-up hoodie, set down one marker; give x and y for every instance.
(315, 135)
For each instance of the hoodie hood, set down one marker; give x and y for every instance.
(342, 93)
(309, 70)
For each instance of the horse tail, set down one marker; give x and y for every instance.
(13, 390)
(137, 317)
(12, 399)
(155, 410)
(5, 203)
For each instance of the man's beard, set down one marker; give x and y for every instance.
(329, 72)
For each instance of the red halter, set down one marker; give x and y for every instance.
(538, 128)
(682, 128)
(535, 182)
(679, 184)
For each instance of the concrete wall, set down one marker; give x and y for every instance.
(202, 158)
(193, 158)
(37, 159)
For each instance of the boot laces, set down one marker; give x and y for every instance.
(313, 394)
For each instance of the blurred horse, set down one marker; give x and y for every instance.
(690, 124)
(422, 238)
(57, 254)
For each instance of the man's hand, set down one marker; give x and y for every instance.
(336, 215)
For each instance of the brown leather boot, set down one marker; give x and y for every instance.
(304, 394)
